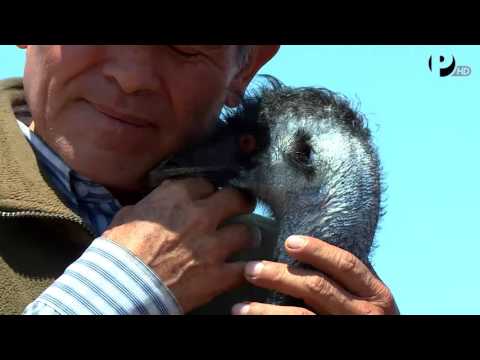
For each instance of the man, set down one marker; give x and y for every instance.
(80, 234)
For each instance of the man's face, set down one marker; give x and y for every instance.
(113, 112)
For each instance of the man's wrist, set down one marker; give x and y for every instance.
(106, 280)
(143, 270)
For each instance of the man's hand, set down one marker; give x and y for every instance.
(342, 285)
(174, 231)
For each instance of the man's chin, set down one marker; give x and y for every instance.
(123, 175)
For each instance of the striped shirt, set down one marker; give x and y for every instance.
(107, 278)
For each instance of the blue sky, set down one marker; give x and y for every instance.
(426, 129)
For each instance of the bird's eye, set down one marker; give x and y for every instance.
(247, 143)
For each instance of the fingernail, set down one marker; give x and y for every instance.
(240, 309)
(296, 242)
(257, 237)
(253, 268)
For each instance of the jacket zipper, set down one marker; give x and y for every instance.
(44, 215)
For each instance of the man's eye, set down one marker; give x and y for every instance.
(186, 51)
(209, 51)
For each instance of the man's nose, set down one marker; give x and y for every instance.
(133, 68)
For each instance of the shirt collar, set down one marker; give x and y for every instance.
(83, 188)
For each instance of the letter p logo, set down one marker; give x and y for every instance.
(444, 68)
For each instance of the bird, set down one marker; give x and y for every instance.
(308, 155)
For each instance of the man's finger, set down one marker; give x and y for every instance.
(339, 264)
(230, 239)
(191, 188)
(216, 279)
(226, 203)
(254, 308)
(229, 276)
(315, 288)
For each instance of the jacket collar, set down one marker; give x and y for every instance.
(23, 186)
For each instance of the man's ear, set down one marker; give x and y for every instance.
(259, 55)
